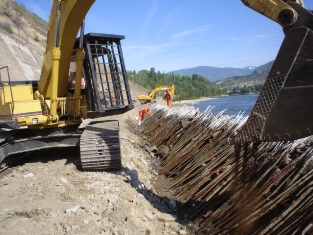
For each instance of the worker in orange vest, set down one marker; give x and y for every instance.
(142, 113)
(72, 82)
(168, 96)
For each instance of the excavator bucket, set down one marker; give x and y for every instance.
(108, 91)
(284, 108)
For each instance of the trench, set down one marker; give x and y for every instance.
(256, 188)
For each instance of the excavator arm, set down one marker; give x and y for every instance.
(276, 10)
(283, 110)
(63, 37)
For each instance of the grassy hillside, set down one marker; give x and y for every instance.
(249, 83)
(186, 87)
(22, 25)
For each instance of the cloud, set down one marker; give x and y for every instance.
(151, 13)
(253, 37)
(148, 49)
(189, 32)
(153, 47)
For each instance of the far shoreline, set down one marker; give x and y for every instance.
(195, 101)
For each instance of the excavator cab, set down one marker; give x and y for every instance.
(283, 110)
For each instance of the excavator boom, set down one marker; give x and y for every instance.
(73, 13)
(283, 110)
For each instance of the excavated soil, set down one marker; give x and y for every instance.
(49, 194)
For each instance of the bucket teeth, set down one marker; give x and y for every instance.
(283, 111)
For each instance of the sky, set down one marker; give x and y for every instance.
(175, 34)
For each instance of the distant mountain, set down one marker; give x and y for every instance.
(214, 74)
(257, 77)
(263, 69)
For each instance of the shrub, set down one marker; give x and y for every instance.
(7, 27)
(36, 38)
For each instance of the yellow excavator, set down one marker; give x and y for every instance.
(85, 78)
(143, 99)
(283, 110)
(82, 79)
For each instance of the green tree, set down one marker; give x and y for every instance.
(186, 87)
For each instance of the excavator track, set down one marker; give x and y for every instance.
(100, 146)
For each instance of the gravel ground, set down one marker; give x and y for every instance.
(48, 194)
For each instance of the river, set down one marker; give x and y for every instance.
(231, 104)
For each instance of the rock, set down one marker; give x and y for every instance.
(152, 149)
(166, 217)
(182, 232)
(163, 149)
(144, 161)
(63, 180)
(73, 209)
(184, 123)
(148, 214)
(28, 175)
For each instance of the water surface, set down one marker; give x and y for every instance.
(231, 104)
